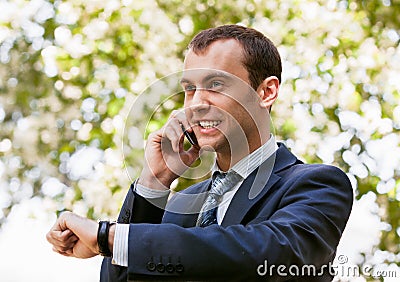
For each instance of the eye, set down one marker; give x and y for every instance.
(189, 88)
(216, 84)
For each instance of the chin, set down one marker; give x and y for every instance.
(207, 148)
(205, 144)
(212, 146)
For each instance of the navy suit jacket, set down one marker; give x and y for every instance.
(285, 214)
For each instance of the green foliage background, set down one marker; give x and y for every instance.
(70, 72)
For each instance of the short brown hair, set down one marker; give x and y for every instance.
(261, 57)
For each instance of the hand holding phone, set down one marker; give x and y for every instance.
(191, 137)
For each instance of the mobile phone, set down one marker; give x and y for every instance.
(191, 137)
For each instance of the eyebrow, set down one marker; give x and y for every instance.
(208, 77)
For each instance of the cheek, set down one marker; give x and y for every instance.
(239, 109)
(237, 118)
(187, 107)
(244, 118)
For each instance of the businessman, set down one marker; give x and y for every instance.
(262, 213)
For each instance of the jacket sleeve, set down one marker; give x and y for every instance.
(299, 222)
(135, 209)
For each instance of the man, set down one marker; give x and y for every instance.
(277, 213)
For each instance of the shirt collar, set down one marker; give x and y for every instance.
(250, 162)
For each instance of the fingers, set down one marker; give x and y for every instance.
(173, 130)
(60, 236)
(173, 133)
(63, 241)
(180, 116)
(73, 235)
(67, 253)
(165, 156)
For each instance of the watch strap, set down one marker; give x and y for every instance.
(102, 238)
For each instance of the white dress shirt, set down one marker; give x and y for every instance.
(244, 168)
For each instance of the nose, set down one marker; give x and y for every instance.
(200, 101)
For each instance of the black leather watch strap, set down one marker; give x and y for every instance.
(102, 238)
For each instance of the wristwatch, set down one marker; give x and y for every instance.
(102, 237)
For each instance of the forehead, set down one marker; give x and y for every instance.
(223, 55)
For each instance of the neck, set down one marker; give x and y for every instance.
(235, 152)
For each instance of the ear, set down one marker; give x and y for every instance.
(268, 91)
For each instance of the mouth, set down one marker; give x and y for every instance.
(208, 124)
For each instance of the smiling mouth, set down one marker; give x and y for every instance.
(207, 124)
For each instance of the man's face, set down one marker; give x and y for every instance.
(219, 102)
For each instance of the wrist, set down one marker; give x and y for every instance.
(111, 236)
(153, 182)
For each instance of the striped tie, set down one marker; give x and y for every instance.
(222, 183)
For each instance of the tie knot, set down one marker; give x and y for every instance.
(218, 175)
(223, 182)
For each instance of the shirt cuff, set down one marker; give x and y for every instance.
(120, 249)
(149, 193)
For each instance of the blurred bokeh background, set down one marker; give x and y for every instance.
(71, 70)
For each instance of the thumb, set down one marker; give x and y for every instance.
(191, 155)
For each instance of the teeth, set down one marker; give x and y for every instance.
(209, 123)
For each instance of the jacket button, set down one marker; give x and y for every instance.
(179, 268)
(160, 267)
(151, 266)
(170, 268)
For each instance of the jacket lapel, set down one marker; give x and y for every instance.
(184, 207)
(257, 185)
